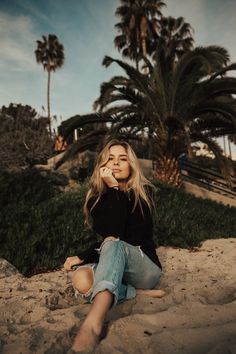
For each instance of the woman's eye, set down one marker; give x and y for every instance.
(123, 159)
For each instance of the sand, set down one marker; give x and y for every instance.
(198, 314)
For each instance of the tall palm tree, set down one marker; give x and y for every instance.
(140, 23)
(49, 53)
(176, 38)
(176, 107)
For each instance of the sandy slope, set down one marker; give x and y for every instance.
(198, 315)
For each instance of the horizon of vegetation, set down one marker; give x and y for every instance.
(172, 95)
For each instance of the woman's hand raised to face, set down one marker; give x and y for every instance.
(71, 261)
(108, 178)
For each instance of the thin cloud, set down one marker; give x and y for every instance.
(17, 43)
(30, 7)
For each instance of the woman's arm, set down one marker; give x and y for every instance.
(109, 214)
(91, 255)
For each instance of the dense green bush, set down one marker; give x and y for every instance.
(183, 220)
(41, 227)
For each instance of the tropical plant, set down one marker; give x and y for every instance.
(49, 53)
(24, 137)
(175, 37)
(175, 107)
(91, 132)
(139, 25)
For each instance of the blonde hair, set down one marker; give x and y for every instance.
(136, 181)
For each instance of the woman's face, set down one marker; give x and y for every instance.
(118, 162)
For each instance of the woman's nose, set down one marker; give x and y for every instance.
(116, 162)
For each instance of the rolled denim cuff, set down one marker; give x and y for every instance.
(131, 292)
(106, 285)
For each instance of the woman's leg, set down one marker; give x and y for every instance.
(82, 279)
(140, 271)
(110, 271)
(118, 261)
(88, 335)
(107, 282)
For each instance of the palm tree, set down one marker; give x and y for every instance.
(176, 38)
(175, 107)
(140, 23)
(49, 53)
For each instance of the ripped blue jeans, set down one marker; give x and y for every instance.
(122, 268)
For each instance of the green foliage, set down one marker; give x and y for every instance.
(175, 105)
(41, 227)
(24, 137)
(27, 185)
(182, 220)
(138, 27)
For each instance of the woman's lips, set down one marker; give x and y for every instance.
(116, 171)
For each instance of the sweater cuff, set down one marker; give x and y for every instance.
(116, 188)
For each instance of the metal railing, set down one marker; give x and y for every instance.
(206, 178)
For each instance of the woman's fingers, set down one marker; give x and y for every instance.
(105, 172)
(107, 176)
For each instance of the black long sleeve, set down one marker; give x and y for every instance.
(113, 215)
(109, 219)
(90, 255)
(110, 214)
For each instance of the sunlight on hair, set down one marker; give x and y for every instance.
(136, 182)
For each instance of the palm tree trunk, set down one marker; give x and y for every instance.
(144, 50)
(230, 152)
(143, 36)
(168, 171)
(144, 47)
(48, 102)
(224, 145)
(136, 61)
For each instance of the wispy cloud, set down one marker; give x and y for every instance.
(212, 20)
(34, 10)
(17, 42)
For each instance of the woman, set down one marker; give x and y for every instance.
(119, 206)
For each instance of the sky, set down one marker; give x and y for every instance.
(86, 29)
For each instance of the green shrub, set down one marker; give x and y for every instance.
(38, 235)
(182, 220)
(40, 227)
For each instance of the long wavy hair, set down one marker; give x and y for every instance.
(136, 181)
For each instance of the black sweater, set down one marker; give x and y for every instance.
(113, 215)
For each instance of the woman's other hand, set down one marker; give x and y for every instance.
(71, 261)
(108, 178)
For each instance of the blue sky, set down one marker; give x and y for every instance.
(86, 29)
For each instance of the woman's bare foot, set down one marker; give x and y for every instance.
(90, 331)
(151, 293)
(86, 340)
